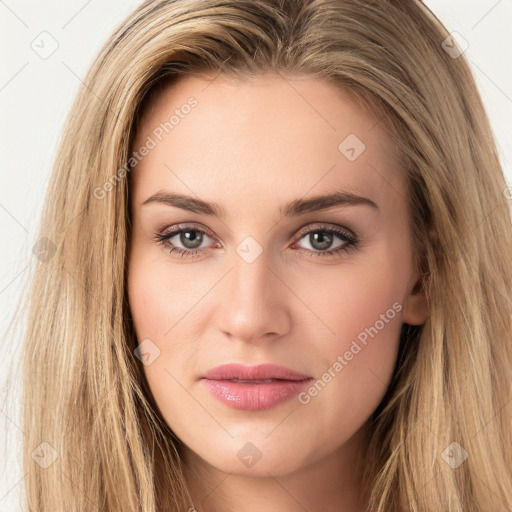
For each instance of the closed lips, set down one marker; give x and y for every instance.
(254, 388)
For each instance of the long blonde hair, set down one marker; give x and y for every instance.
(85, 394)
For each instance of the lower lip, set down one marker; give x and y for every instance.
(257, 396)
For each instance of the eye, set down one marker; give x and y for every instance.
(320, 238)
(189, 236)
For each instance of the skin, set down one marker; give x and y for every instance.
(252, 146)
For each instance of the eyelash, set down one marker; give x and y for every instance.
(350, 240)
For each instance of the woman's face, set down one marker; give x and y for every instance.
(240, 168)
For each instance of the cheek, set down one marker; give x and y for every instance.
(158, 298)
(357, 298)
(361, 306)
(146, 303)
(159, 302)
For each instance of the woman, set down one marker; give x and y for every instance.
(195, 353)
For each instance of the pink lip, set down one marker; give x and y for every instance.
(264, 386)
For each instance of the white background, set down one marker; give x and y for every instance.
(36, 94)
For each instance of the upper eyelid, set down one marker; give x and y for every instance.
(172, 231)
(303, 230)
(326, 226)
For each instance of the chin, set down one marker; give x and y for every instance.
(253, 456)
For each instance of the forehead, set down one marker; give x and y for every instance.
(286, 135)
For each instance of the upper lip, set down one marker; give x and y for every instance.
(257, 372)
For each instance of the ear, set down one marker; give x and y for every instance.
(415, 306)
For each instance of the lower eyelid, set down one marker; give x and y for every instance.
(347, 238)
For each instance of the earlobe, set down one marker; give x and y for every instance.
(416, 305)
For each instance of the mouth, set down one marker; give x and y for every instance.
(254, 388)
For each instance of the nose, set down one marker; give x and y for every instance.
(254, 302)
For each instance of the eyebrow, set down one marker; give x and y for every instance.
(293, 208)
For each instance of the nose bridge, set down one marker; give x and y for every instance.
(251, 275)
(254, 305)
(251, 280)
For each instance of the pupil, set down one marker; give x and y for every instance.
(322, 244)
(188, 237)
